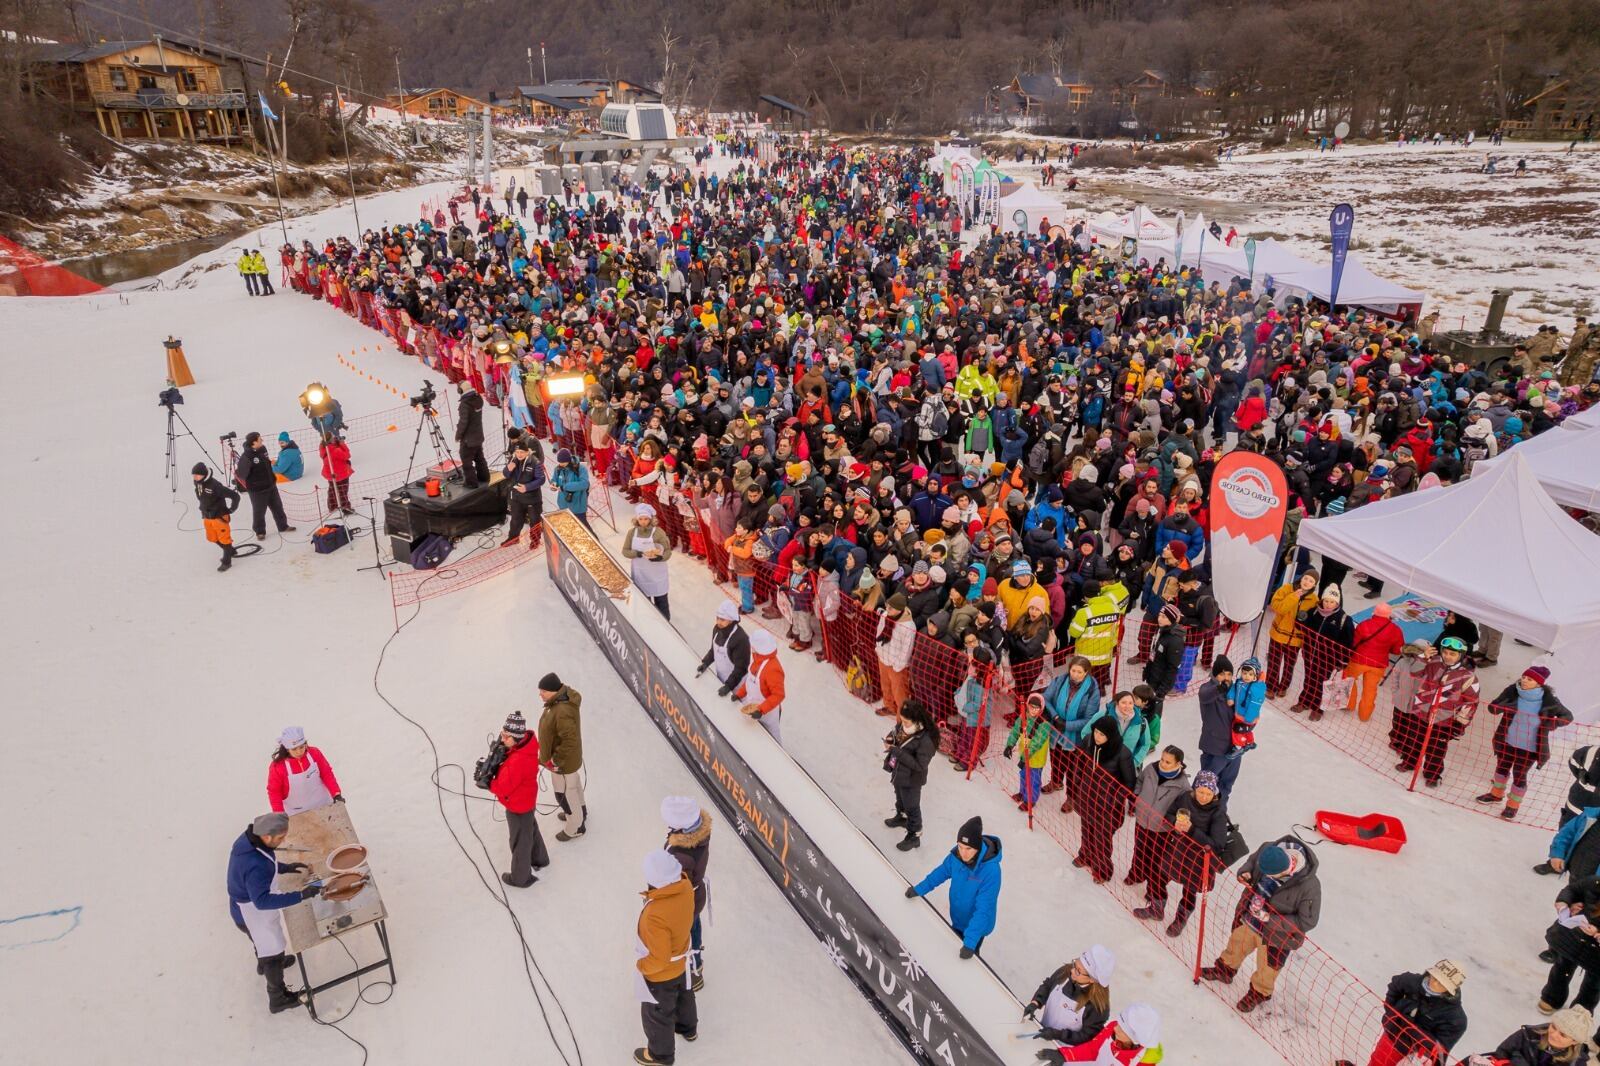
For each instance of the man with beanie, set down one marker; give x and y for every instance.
(217, 503)
(729, 654)
(973, 870)
(1281, 904)
(896, 637)
(469, 435)
(254, 474)
(663, 982)
(516, 786)
(571, 482)
(1166, 657)
(1216, 725)
(1422, 1016)
(252, 866)
(689, 841)
(561, 743)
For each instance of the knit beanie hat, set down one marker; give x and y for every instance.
(1574, 1023)
(1171, 613)
(516, 725)
(1207, 779)
(1539, 674)
(549, 683)
(971, 833)
(1221, 665)
(1273, 861)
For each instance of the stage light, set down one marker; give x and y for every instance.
(317, 401)
(564, 385)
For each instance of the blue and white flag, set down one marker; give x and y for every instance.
(265, 110)
(1340, 222)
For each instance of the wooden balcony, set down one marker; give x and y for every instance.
(168, 100)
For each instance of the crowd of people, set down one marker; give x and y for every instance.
(999, 444)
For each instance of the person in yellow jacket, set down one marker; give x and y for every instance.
(247, 271)
(258, 267)
(664, 983)
(1289, 604)
(1095, 630)
(1018, 590)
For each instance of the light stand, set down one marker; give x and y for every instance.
(377, 556)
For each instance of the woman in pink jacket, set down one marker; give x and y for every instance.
(300, 778)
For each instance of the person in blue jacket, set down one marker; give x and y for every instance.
(571, 482)
(1049, 507)
(291, 464)
(252, 865)
(973, 870)
(1071, 702)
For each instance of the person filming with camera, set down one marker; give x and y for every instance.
(515, 783)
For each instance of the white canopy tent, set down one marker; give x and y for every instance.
(1034, 204)
(1110, 228)
(1497, 549)
(1583, 419)
(1358, 285)
(1566, 464)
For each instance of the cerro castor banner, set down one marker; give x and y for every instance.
(856, 940)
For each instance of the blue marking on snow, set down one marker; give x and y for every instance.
(75, 912)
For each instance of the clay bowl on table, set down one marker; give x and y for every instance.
(347, 858)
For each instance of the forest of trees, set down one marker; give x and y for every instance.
(901, 65)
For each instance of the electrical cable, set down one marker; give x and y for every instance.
(496, 889)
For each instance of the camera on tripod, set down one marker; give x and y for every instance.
(229, 436)
(169, 397)
(425, 398)
(488, 767)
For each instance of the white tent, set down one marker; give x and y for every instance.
(1034, 204)
(1583, 419)
(1566, 464)
(1497, 549)
(1358, 286)
(1110, 228)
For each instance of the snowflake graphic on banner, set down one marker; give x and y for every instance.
(937, 1008)
(916, 1047)
(909, 963)
(836, 956)
(744, 830)
(811, 857)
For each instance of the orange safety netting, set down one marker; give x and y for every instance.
(26, 273)
(1427, 745)
(410, 587)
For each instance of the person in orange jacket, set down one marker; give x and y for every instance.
(761, 694)
(664, 981)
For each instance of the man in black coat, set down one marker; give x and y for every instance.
(469, 435)
(526, 474)
(255, 475)
(729, 651)
(217, 503)
(1166, 656)
(1422, 1015)
(1216, 726)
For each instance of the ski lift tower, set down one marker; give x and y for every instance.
(647, 129)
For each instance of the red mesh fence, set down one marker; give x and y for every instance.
(360, 428)
(1399, 723)
(409, 587)
(1201, 646)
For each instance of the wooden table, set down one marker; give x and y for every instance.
(317, 921)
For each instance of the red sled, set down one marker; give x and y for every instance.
(1380, 832)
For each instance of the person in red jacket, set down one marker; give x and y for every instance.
(300, 778)
(1376, 640)
(336, 471)
(1125, 1041)
(516, 786)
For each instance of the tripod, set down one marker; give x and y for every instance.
(174, 419)
(377, 556)
(429, 418)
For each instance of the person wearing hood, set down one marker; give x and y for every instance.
(560, 736)
(1282, 902)
(973, 870)
(664, 977)
(252, 866)
(895, 639)
(1073, 1004)
(1131, 1039)
(469, 435)
(1529, 711)
(1201, 815)
(1102, 791)
(1422, 1016)
(290, 464)
(647, 547)
(1329, 634)
(1562, 1041)
(908, 752)
(689, 841)
(761, 692)
(217, 502)
(729, 654)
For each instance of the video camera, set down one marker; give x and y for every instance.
(169, 397)
(425, 398)
(488, 767)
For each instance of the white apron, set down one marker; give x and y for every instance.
(265, 927)
(649, 574)
(720, 662)
(306, 790)
(1060, 1012)
(753, 698)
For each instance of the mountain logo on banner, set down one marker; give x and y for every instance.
(1249, 494)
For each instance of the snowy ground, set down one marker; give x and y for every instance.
(150, 688)
(1425, 216)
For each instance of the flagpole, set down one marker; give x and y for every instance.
(344, 130)
(272, 161)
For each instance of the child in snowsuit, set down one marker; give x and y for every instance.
(1247, 695)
